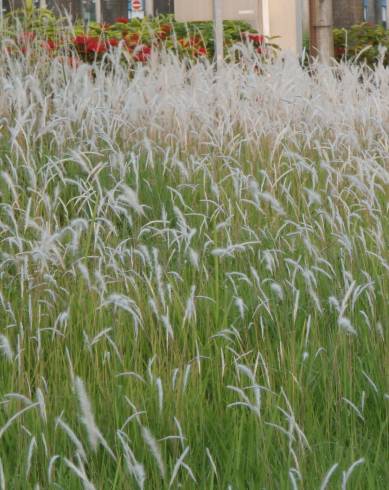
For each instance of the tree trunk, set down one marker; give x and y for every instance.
(347, 12)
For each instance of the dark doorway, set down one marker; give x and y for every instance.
(112, 9)
(163, 7)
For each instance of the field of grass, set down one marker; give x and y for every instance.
(194, 276)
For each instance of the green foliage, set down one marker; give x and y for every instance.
(197, 254)
(208, 252)
(42, 22)
(365, 43)
(39, 27)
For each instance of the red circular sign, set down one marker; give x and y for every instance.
(136, 5)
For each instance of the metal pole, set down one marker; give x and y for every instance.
(321, 25)
(218, 31)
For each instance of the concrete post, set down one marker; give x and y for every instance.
(265, 11)
(149, 8)
(98, 11)
(218, 31)
(321, 37)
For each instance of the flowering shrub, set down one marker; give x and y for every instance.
(137, 38)
(362, 42)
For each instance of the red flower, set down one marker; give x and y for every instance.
(90, 44)
(253, 37)
(82, 41)
(113, 42)
(96, 46)
(166, 28)
(49, 45)
(133, 39)
(339, 51)
(121, 20)
(256, 38)
(191, 42)
(142, 53)
(202, 52)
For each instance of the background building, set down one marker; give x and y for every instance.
(375, 11)
(163, 7)
(346, 12)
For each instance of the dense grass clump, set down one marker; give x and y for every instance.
(194, 275)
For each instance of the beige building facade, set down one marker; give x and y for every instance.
(283, 18)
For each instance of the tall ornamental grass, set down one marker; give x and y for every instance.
(194, 275)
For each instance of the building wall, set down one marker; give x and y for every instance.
(282, 18)
(347, 12)
(12, 4)
(201, 10)
(112, 9)
(163, 7)
(286, 21)
(371, 11)
(378, 11)
(73, 7)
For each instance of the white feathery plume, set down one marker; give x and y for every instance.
(154, 449)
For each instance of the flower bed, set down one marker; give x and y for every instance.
(365, 43)
(28, 31)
